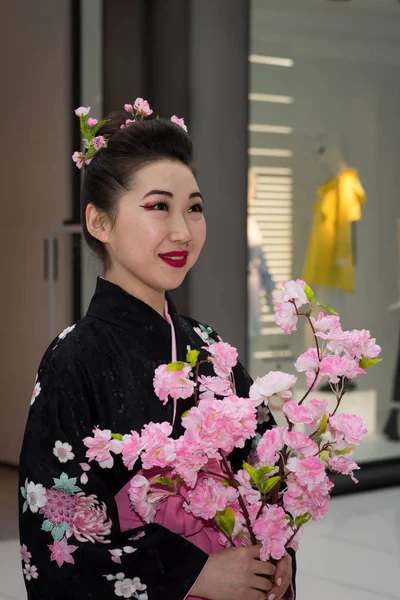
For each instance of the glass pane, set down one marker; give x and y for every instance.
(323, 200)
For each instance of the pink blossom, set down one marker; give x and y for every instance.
(359, 343)
(301, 443)
(159, 448)
(129, 121)
(79, 159)
(25, 555)
(319, 498)
(308, 361)
(317, 408)
(138, 490)
(270, 444)
(90, 522)
(30, 571)
(216, 385)
(128, 107)
(274, 383)
(296, 499)
(92, 122)
(348, 428)
(292, 291)
(326, 323)
(337, 339)
(286, 317)
(144, 499)
(142, 107)
(246, 490)
(240, 419)
(209, 497)
(297, 413)
(100, 447)
(175, 384)
(180, 122)
(98, 142)
(309, 471)
(220, 425)
(131, 449)
(61, 552)
(313, 498)
(190, 458)
(333, 367)
(116, 554)
(273, 531)
(82, 111)
(342, 464)
(223, 357)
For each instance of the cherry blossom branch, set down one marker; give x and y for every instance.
(308, 317)
(196, 391)
(243, 506)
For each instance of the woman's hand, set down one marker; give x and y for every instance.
(235, 574)
(282, 578)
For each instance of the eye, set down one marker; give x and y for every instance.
(156, 206)
(197, 208)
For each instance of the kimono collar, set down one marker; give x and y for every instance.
(112, 304)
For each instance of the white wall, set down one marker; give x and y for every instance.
(345, 81)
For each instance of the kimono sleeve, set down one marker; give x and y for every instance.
(72, 547)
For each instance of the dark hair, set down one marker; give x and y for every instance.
(111, 171)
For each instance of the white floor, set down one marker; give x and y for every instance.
(354, 554)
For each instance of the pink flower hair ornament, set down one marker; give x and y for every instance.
(90, 128)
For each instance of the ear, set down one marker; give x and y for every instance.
(97, 223)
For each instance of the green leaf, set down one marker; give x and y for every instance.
(258, 477)
(226, 483)
(178, 481)
(225, 520)
(25, 507)
(367, 363)
(309, 293)
(117, 436)
(302, 519)
(185, 414)
(66, 484)
(270, 484)
(23, 492)
(58, 532)
(176, 366)
(323, 456)
(345, 451)
(97, 127)
(328, 308)
(165, 481)
(47, 525)
(192, 357)
(322, 427)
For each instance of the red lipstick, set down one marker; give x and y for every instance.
(175, 258)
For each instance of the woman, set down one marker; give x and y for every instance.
(142, 213)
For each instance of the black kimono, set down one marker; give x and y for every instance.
(100, 373)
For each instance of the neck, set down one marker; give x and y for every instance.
(133, 286)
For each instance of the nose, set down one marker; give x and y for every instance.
(180, 230)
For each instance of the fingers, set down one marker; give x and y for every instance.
(278, 591)
(264, 568)
(282, 579)
(261, 583)
(283, 566)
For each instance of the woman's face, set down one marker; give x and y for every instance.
(159, 229)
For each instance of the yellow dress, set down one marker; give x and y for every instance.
(329, 260)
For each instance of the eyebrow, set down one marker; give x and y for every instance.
(170, 195)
